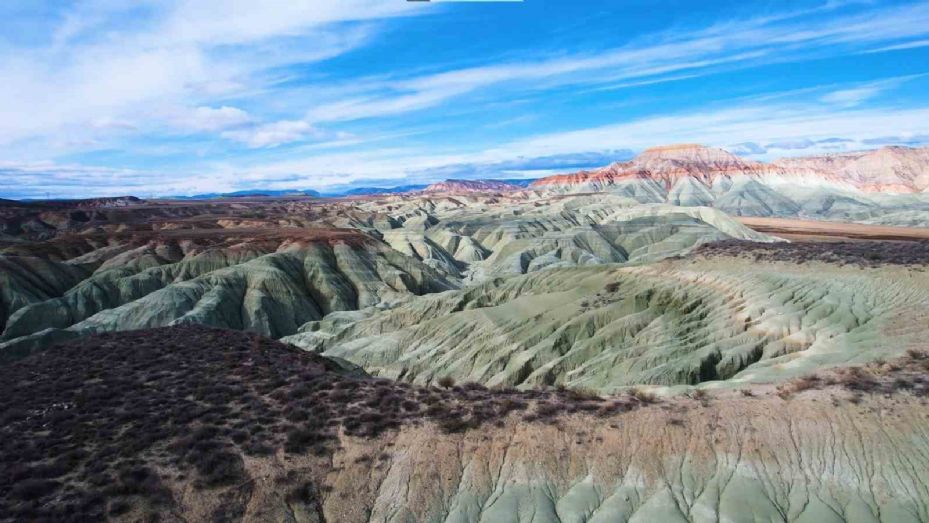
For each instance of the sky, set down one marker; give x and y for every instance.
(181, 97)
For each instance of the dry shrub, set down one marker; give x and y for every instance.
(856, 378)
(581, 394)
(805, 383)
(644, 396)
(864, 254)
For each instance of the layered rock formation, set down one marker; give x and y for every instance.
(874, 185)
(750, 379)
(886, 170)
(889, 169)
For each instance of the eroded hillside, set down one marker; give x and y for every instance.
(272, 266)
(477, 357)
(731, 313)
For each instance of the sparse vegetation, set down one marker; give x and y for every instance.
(192, 401)
(643, 396)
(909, 373)
(862, 253)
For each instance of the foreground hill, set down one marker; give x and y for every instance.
(884, 186)
(193, 424)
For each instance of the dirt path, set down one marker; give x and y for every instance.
(810, 230)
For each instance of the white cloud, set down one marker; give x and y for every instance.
(228, 22)
(50, 179)
(805, 128)
(852, 97)
(669, 57)
(859, 94)
(746, 149)
(797, 128)
(107, 123)
(902, 46)
(774, 124)
(273, 134)
(153, 68)
(220, 118)
(129, 60)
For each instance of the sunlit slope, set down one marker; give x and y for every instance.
(685, 321)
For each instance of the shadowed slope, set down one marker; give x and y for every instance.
(265, 282)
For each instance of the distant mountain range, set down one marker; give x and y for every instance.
(477, 186)
(691, 175)
(364, 191)
(86, 203)
(247, 194)
(883, 186)
(446, 186)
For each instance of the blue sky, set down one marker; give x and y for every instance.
(106, 97)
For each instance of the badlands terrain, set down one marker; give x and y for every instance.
(686, 336)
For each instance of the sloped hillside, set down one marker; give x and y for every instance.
(743, 313)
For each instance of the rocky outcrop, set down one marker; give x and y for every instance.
(890, 169)
(25, 281)
(271, 267)
(745, 460)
